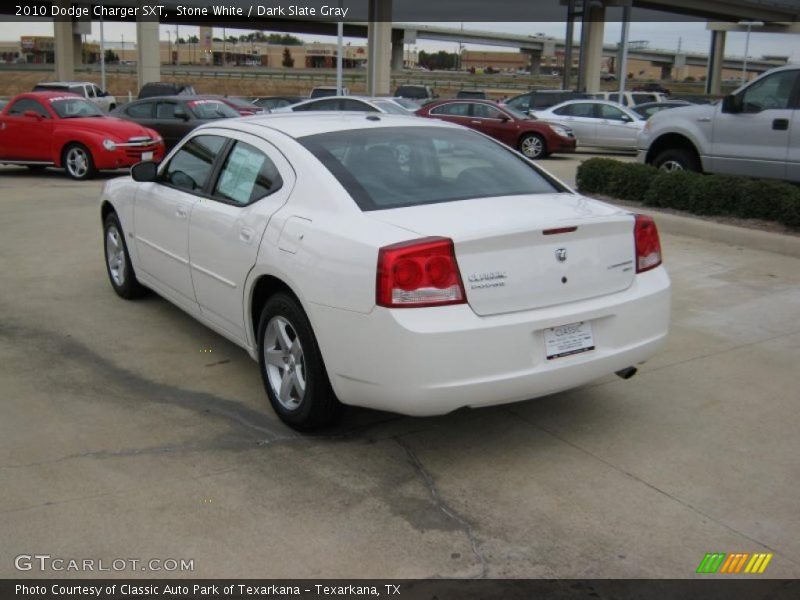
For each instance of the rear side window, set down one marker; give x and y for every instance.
(390, 167)
(191, 166)
(248, 175)
(211, 109)
(456, 109)
(143, 110)
(331, 104)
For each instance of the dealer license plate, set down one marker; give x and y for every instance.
(566, 340)
(147, 155)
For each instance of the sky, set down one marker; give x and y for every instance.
(692, 37)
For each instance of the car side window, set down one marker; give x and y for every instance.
(774, 91)
(78, 89)
(482, 111)
(456, 109)
(142, 110)
(21, 106)
(168, 110)
(90, 93)
(190, 168)
(356, 105)
(248, 175)
(328, 104)
(520, 102)
(611, 113)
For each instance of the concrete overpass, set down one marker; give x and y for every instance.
(386, 39)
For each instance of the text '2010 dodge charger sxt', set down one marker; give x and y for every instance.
(389, 262)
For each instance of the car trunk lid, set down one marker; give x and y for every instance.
(524, 252)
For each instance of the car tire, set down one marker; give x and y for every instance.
(78, 162)
(677, 159)
(533, 146)
(292, 368)
(118, 261)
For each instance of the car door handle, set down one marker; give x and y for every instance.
(780, 124)
(181, 211)
(475, 122)
(246, 235)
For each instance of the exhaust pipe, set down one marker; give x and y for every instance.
(627, 372)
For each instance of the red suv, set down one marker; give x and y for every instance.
(534, 138)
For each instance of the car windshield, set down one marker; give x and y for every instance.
(407, 103)
(211, 109)
(71, 107)
(392, 167)
(517, 114)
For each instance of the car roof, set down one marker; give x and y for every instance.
(180, 97)
(297, 125)
(45, 95)
(65, 83)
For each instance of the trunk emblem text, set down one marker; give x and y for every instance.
(493, 279)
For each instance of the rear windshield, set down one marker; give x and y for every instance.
(392, 167)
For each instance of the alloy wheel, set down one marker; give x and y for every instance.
(671, 166)
(285, 363)
(77, 162)
(532, 147)
(115, 255)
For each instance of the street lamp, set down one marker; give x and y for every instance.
(749, 25)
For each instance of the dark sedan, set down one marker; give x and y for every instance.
(174, 116)
(534, 138)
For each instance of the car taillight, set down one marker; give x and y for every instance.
(418, 273)
(648, 246)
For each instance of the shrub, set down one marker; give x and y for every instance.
(630, 181)
(594, 175)
(742, 197)
(671, 190)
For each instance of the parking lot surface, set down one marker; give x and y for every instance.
(128, 430)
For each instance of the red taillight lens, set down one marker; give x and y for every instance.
(419, 273)
(648, 246)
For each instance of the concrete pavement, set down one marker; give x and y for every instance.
(128, 430)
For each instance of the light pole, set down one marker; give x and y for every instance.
(339, 50)
(102, 55)
(169, 47)
(749, 25)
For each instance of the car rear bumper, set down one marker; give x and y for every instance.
(431, 361)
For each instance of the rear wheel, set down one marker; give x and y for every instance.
(78, 162)
(533, 146)
(677, 159)
(292, 368)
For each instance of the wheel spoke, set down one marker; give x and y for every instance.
(284, 341)
(287, 383)
(276, 358)
(296, 350)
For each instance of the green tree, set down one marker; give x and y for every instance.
(288, 61)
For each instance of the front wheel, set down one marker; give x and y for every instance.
(78, 162)
(677, 159)
(118, 261)
(292, 368)
(533, 146)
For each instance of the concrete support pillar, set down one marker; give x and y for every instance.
(379, 48)
(591, 48)
(397, 54)
(534, 61)
(666, 72)
(148, 52)
(65, 49)
(716, 57)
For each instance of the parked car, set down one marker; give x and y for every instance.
(648, 109)
(43, 129)
(85, 89)
(272, 102)
(754, 132)
(534, 138)
(420, 93)
(350, 256)
(347, 103)
(165, 88)
(325, 91)
(472, 94)
(175, 116)
(630, 99)
(407, 103)
(597, 122)
(542, 99)
(652, 87)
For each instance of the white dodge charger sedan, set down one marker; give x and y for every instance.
(390, 262)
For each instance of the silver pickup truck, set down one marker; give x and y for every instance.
(753, 132)
(87, 89)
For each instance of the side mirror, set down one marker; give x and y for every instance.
(626, 119)
(731, 104)
(145, 171)
(32, 114)
(505, 118)
(182, 115)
